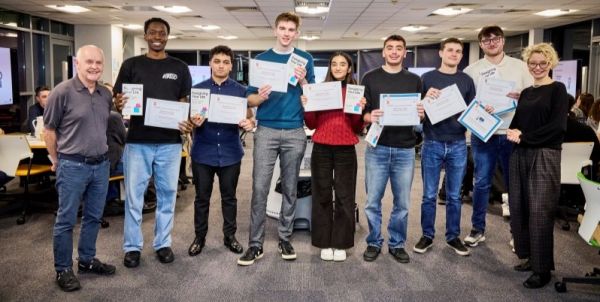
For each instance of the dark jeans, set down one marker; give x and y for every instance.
(203, 179)
(333, 167)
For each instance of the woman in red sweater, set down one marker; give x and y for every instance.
(333, 168)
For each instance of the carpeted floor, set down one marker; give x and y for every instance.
(26, 262)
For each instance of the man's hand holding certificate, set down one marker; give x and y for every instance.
(447, 104)
(199, 102)
(263, 73)
(479, 121)
(494, 92)
(323, 96)
(293, 62)
(165, 114)
(135, 99)
(399, 109)
(227, 109)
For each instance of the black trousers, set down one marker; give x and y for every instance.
(203, 179)
(333, 167)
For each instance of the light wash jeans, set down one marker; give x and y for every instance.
(140, 162)
(383, 163)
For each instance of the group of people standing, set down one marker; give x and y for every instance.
(77, 113)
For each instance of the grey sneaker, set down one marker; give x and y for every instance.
(474, 238)
(458, 247)
(423, 245)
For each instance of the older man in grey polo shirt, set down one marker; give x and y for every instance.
(76, 119)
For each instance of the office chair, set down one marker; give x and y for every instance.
(589, 225)
(574, 157)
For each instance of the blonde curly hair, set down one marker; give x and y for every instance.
(544, 49)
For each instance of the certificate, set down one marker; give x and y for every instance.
(293, 62)
(227, 109)
(352, 101)
(399, 109)
(165, 114)
(479, 122)
(492, 91)
(374, 133)
(263, 73)
(449, 103)
(199, 101)
(135, 101)
(323, 96)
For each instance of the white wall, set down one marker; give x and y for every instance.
(107, 37)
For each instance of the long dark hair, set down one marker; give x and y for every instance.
(349, 77)
(585, 104)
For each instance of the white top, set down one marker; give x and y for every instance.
(509, 69)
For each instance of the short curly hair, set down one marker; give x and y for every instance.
(544, 49)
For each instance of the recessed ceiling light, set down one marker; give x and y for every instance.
(131, 26)
(452, 11)
(74, 9)
(172, 37)
(9, 35)
(555, 12)
(173, 9)
(310, 37)
(312, 8)
(413, 28)
(207, 27)
(227, 37)
(443, 39)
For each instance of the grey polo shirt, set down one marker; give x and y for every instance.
(80, 118)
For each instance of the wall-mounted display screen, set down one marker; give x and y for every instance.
(6, 77)
(199, 73)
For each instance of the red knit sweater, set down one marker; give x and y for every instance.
(334, 127)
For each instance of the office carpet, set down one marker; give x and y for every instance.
(27, 273)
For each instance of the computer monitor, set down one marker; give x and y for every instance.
(199, 73)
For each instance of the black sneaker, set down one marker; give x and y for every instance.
(287, 250)
(252, 254)
(67, 281)
(96, 267)
(458, 247)
(474, 238)
(423, 245)
(400, 255)
(371, 253)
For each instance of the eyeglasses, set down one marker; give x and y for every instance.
(542, 65)
(490, 40)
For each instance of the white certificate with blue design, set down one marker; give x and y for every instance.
(399, 109)
(479, 121)
(165, 113)
(493, 92)
(323, 96)
(263, 73)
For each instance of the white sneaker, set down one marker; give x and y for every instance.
(512, 244)
(505, 208)
(327, 254)
(339, 255)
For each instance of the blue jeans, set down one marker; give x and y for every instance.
(452, 156)
(77, 182)
(140, 162)
(383, 163)
(485, 157)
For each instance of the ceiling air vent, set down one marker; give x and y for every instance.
(242, 9)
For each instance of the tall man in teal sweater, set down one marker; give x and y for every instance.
(280, 133)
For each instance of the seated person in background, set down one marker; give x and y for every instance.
(578, 132)
(115, 135)
(582, 107)
(594, 116)
(37, 109)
